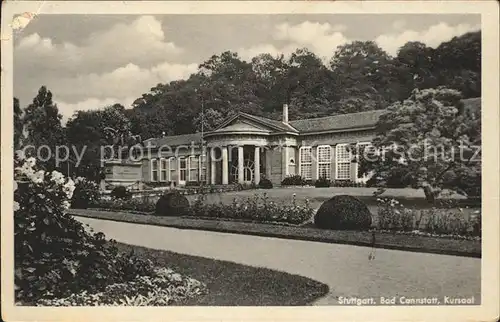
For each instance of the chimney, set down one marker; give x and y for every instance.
(285, 113)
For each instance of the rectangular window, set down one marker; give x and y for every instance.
(324, 161)
(154, 170)
(203, 168)
(163, 169)
(193, 168)
(343, 162)
(171, 167)
(305, 162)
(182, 170)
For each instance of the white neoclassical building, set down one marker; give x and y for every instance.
(245, 148)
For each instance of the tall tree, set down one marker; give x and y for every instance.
(42, 122)
(458, 64)
(308, 85)
(18, 124)
(364, 71)
(88, 131)
(416, 67)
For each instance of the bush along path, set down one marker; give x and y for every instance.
(59, 262)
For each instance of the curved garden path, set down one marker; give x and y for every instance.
(345, 269)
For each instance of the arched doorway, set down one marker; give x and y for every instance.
(248, 171)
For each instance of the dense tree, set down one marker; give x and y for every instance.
(364, 71)
(361, 76)
(18, 124)
(88, 131)
(210, 119)
(458, 64)
(415, 62)
(42, 122)
(433, 138)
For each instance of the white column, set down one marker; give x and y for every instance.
(241, 178)
(212, 166)
(207, 167)
(287, 157)
(256, 162)
(225, 177)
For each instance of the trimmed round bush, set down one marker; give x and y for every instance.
(172, 204)
(343, 213)
(120, 192)
(265, 184)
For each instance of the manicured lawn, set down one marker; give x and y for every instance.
(233, 284)
(316, 196)
(460, 247)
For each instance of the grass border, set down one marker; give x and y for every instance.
(234, 284)
(422, 244)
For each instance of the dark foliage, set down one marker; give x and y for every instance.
(295, 180)
(343, 213)
(120, 192)
(265, 184)
(322, 183)
(399, 178)
(86, 194)
(172, 204)
(55, 255)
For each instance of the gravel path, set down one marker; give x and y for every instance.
(346, 269)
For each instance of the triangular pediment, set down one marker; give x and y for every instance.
(242, 123)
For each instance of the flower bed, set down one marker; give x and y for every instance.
(58, 261)
(392, 216)
(257, 209)
(163, 287)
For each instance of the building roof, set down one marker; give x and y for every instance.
(338, 122)
(174, 140)
(274, 123)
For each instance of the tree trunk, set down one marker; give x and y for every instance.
(430, 196)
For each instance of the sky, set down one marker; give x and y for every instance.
(91, 61)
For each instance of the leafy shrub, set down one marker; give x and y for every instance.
(156, 184)
(55, 255)
(172, 204)
(449, 222)
(194, 184)
(265, 184)
(143, 204)
(120, 192)
(322, 183)
(162, 288)
(86, 193)
(295, 180)
(347, 183)
(343, 213)
(391, 215)
(254, 208)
